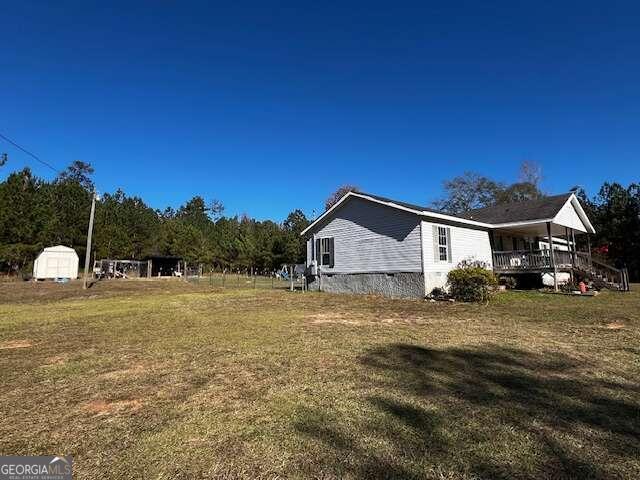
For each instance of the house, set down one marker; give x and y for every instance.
(371, 244)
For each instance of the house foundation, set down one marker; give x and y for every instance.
(394, 285)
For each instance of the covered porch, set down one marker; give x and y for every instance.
(539, 246)
(549, 247)
(541, 236)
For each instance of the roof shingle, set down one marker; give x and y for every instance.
(412, 206)
(538, 209)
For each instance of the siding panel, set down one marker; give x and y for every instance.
(373, 238)
(466, 244)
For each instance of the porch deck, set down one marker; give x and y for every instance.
(524, 261)
(540, 261)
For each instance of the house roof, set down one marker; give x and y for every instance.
(411, 206)
(408, 207)
(541, 208)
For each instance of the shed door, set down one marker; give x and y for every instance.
(64, 267)
(52, 267)
(58, 267)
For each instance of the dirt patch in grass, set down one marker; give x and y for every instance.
(103, 407)
(56, 360)
(351, 318)
(329, 318)
(11, 344)
(614, 326)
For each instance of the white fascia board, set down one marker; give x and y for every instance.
(521, 224)
(422, 213)
(327, 212)
(451, 218)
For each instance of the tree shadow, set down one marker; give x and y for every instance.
(486, 412)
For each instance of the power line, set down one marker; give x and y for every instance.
(29, 153)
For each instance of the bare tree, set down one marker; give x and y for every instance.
(338, 194)
(215, 209)
(530, 172)
(526, 188)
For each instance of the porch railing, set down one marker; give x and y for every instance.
(540, 260)
(521, 260)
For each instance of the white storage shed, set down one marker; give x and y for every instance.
(56, 262)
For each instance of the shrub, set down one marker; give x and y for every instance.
(470, 282)
(438, 294)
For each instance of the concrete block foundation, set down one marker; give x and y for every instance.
(393, 285)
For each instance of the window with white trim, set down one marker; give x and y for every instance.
(325, 251)
(443, 247)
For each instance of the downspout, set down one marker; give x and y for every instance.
(315, 259)
(424, 273)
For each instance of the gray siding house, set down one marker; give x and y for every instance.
(371, 244)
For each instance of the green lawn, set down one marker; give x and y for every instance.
(165, 380)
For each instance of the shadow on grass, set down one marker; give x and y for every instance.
(489, 412)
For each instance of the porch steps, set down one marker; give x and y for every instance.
(604, 276)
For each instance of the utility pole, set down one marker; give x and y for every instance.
(3, 159)
(87, 256)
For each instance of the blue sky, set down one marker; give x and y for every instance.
(271, 106)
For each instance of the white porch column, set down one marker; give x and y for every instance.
(552, 257)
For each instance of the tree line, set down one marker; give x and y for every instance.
(36, 213)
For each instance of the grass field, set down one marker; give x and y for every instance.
(169, 380)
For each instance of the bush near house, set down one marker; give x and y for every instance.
(470, 282)
(438, 294)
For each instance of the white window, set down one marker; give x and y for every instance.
(443, 249)
(441, 244)
(325, 251)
